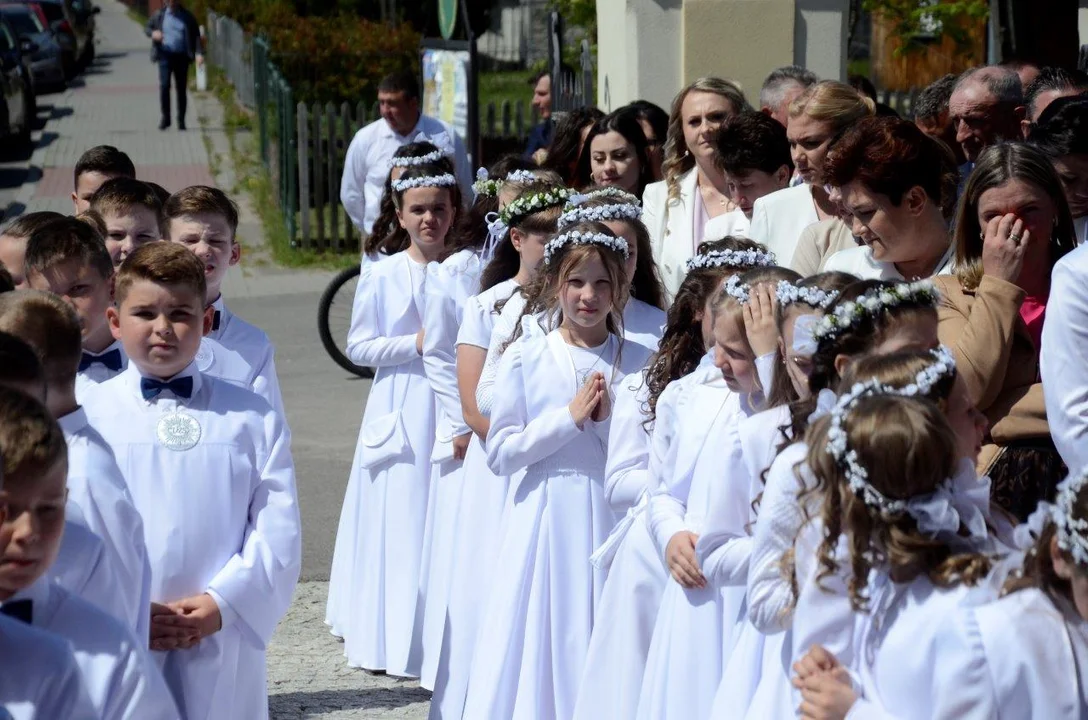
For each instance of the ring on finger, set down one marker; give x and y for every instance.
(1015, 238)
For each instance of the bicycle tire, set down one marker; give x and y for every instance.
(333, 345)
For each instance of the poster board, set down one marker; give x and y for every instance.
(449, 88)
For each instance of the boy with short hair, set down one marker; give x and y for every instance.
(205, 220)
(95, 167)
(132, 214)
(209, 466)
(13, 239)
(120, 676)
(95, 484)
(66, 257)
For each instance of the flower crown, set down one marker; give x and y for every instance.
(1072, 531)
(737, 290)
(575, 237)
(440, 141)
(623, 196)
(788, 293)
(931, 511)
(574, 214)
(403, 184)
(528, 204)
(746, 259)
(873, 302)
(489, 187)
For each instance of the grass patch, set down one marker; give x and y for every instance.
(253, 178)
(494, 87)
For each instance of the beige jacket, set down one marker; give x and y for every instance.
(818, 242)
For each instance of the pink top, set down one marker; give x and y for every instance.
(1033, 310)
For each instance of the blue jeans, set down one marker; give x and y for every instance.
(174, 65)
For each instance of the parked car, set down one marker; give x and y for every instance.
(16, 88)
(75, 37)
(46, 63)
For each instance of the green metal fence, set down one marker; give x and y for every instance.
(275, 109)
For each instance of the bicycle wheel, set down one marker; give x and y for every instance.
(334, 319)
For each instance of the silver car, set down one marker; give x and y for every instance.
(46, 61)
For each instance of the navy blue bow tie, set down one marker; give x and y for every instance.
(22, 610)
(215, 320)
(110, 360)
(181, 387)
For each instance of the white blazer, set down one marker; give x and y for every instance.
(779, 218)
(671, 226)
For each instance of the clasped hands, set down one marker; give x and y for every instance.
(182, 624)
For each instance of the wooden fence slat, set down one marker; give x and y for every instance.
(361, 118)
(505, 117)
(319, 177)
(489, 119)
(332, 153)
(519, 115)
(347, 133)
(304, 174)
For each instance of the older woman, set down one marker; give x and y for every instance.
(817, 116)
(1013, 225)
(677, 209)
(891, 179)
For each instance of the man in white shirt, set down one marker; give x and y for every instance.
(367, 163)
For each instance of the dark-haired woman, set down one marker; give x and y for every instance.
(614, 155)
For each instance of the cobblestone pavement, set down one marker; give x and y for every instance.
(309, 678)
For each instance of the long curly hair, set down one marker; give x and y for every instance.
(682, 345)
(1037, 570)
(909, 449)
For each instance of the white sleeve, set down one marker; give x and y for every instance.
(137, 688)
(665, 513)
(824, 616)
(626, 475)
(266, 382)
(505, 324)
(770, 592)
(516, 440)
(85, 568)
(765, 371)
(353, 181)
(964, 683)
(1064, 371)
(760, 229)
(258, 581)
(367, 343)
(63, 692)
(725, 547)
(439, 345)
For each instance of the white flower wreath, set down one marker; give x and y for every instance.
(788, 293)
(623, 196)
(873, 302)
(528, 204)
(440, 141)
(403, 184)
(1072, 531)
(737, 290)
(576, 237)
(731, 258)
(575, 215)
(933, 512)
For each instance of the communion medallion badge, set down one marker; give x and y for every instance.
(204, 357)
(178, 431)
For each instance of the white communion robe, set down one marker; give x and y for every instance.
(530, 655)
(479, 513)
(448, 287)
(83, 567)
(253, 344)
(213, 477)
(121, 678)
(39, 676)
(96, 486)
(374, 586)
(638, 460)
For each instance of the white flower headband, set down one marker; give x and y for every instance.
(403, 184)
(731, 258)
(788, 293)
(575, 237)
(871, 303)
(440, 141)
(1072, 531)
(623, 196)
(737, 290)
(576, 215)
(484, 185)
(933, 512)
(528, 204)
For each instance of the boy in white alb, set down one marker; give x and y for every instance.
(83, 565)
(204, 220)
(121, 679)
(209, 467)
(95, 484)
(39, 677)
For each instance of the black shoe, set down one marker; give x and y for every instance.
(163, 124)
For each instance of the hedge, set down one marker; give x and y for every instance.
(337, 59)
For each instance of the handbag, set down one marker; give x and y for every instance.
(384, 438)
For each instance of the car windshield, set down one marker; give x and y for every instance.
(22, 21)
(53, 12)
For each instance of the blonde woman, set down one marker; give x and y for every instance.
(817, 117)
(676, 210)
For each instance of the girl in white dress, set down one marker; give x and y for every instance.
(754, 676)
(684, 664)
(893, 547)
(550, 417)
(643, 424)
(388, 239)
(479, 504)
(392, 466)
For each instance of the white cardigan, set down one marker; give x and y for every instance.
(671, 226)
